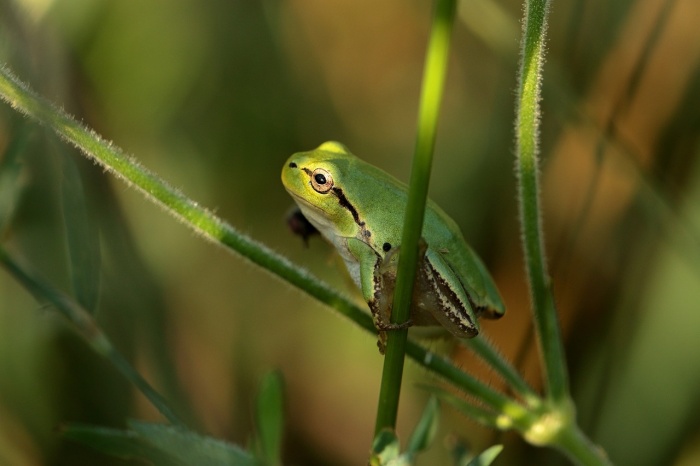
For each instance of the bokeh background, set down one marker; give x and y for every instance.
(214, 96)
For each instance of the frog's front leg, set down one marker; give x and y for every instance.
(377, 279)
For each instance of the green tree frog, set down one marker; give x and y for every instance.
(360, 209)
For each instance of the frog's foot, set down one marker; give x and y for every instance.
(388, 326)
(382, 327)
(381, 344)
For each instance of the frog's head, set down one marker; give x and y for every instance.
(315, 179)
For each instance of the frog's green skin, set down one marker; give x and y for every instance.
(359, 209)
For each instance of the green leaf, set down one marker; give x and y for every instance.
(190, 447)
(487, 456)
(82, 237)
(10, 175)
(119, 443)
(462, 456)
(386, 446)
(459, 450)
(269, 416)
(84, 323)
(426, 428)
(202, 221)
(159, 444)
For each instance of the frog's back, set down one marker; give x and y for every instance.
(383, 196)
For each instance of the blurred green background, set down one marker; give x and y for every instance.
(214, 96)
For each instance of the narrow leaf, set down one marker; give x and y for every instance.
(426, 428)
(487, 456)
(82, 238)
(190, 447)
(119, 443)
(84, 323)
(269, 416)
(10, 175)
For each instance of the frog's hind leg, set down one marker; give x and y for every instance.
(477, 282)
(453, 308)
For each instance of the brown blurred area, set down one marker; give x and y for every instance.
(214, 96)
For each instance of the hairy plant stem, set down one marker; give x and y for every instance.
(527, 134)
(109, 156)
(558, 424)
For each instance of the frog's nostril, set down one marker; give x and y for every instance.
(292, 165)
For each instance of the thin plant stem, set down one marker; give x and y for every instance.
(511, 413)
(84, 323)
(201, 220)
(485, 350)
(518, 415)
(431, 97)
(108, 155)
(527, 135)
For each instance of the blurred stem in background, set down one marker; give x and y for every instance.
(84, 323)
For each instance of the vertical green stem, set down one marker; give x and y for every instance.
(431, 97)
(527, 128)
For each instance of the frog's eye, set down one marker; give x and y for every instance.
(321, 180)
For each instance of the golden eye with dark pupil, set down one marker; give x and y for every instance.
(321, 180)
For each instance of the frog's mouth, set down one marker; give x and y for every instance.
(317, 215)
(313, 213)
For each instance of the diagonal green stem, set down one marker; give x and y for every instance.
(527, 129)
(431, 98)
(214, 229)
(486, 351)
(511, 413)
(517, 415)
(173, 201)
(88, 328)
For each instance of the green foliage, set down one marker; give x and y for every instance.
(425, 430)
(183, 88)
(10, 172)
(82, 240)
(269, 419)
(486, 457)
(167, 445)
(540, 424)
(159, 444)
(83, 322)
(386, 448)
